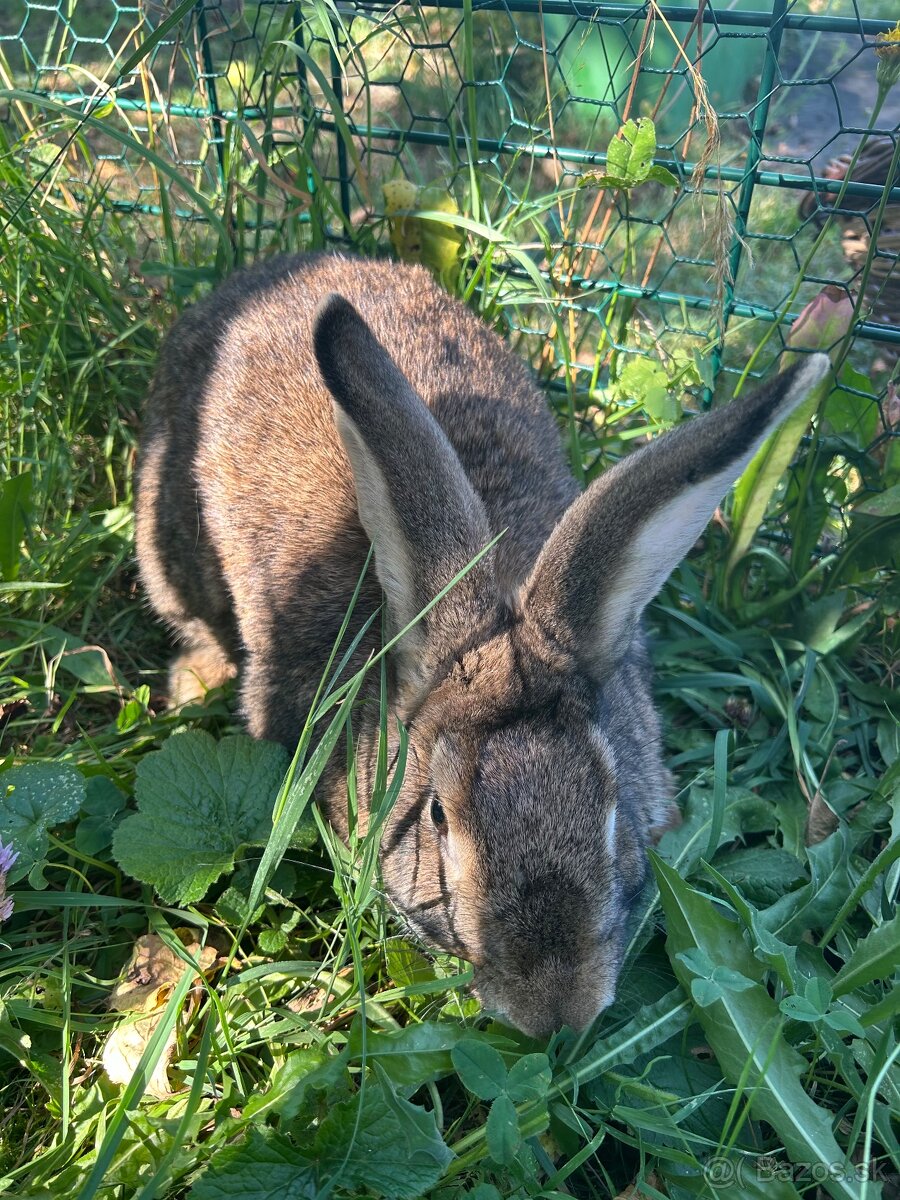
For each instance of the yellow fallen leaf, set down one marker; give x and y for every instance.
(144, 987)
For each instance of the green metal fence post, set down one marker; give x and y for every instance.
(748, 185)
(212, 92)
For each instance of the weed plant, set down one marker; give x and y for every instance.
(203, 992)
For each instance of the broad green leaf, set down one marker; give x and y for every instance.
(736, 1177)
(257, 1169)
(744, 812)
(712, 978)
(86, 663)
(289, 1083)
(503, 1135)
(813, 905)
(15, 494)
(381, 1143)
(407, 965)
(200, 802)
(883, 504)
(629, 159)
(744, 1029)
(651, 1026)
(480, 1067)
(876, 956)
(762, 873)
(849, 414)
(662, 175)
(529, 1078)
(630, 153)
(798, 1008)
(410, 1056)
(885, 1010)
(102, 808)
(766, 947)
(34, 799)
(843, 1020)
(605, 181)
(756, 486)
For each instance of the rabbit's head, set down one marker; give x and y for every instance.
(528, 796)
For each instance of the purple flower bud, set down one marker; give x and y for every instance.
(824, 321)
(7, 857)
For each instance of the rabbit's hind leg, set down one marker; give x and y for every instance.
(182, 575)
(204, 664)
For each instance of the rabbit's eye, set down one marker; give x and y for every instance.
(437, 813)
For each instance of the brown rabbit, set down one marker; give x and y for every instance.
(315, 403)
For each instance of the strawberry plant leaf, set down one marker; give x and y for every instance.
(200, 802)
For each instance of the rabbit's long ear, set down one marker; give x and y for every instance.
(614, 548)
(415, 501)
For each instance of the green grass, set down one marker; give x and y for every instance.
(752, 1048)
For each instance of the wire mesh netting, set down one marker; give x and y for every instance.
(277, 124)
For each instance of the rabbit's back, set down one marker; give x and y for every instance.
(246, 504)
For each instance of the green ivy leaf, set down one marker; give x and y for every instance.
(200, 802)
(257, 1169)
(379, 1142)
(503, 1135)
(480, 1067)
(34, 799)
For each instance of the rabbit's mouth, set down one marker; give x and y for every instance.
(552, 995)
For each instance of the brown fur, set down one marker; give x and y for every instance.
(284, 431)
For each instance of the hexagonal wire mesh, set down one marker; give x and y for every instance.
(276, 122)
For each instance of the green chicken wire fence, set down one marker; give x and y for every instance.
(271, 124)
